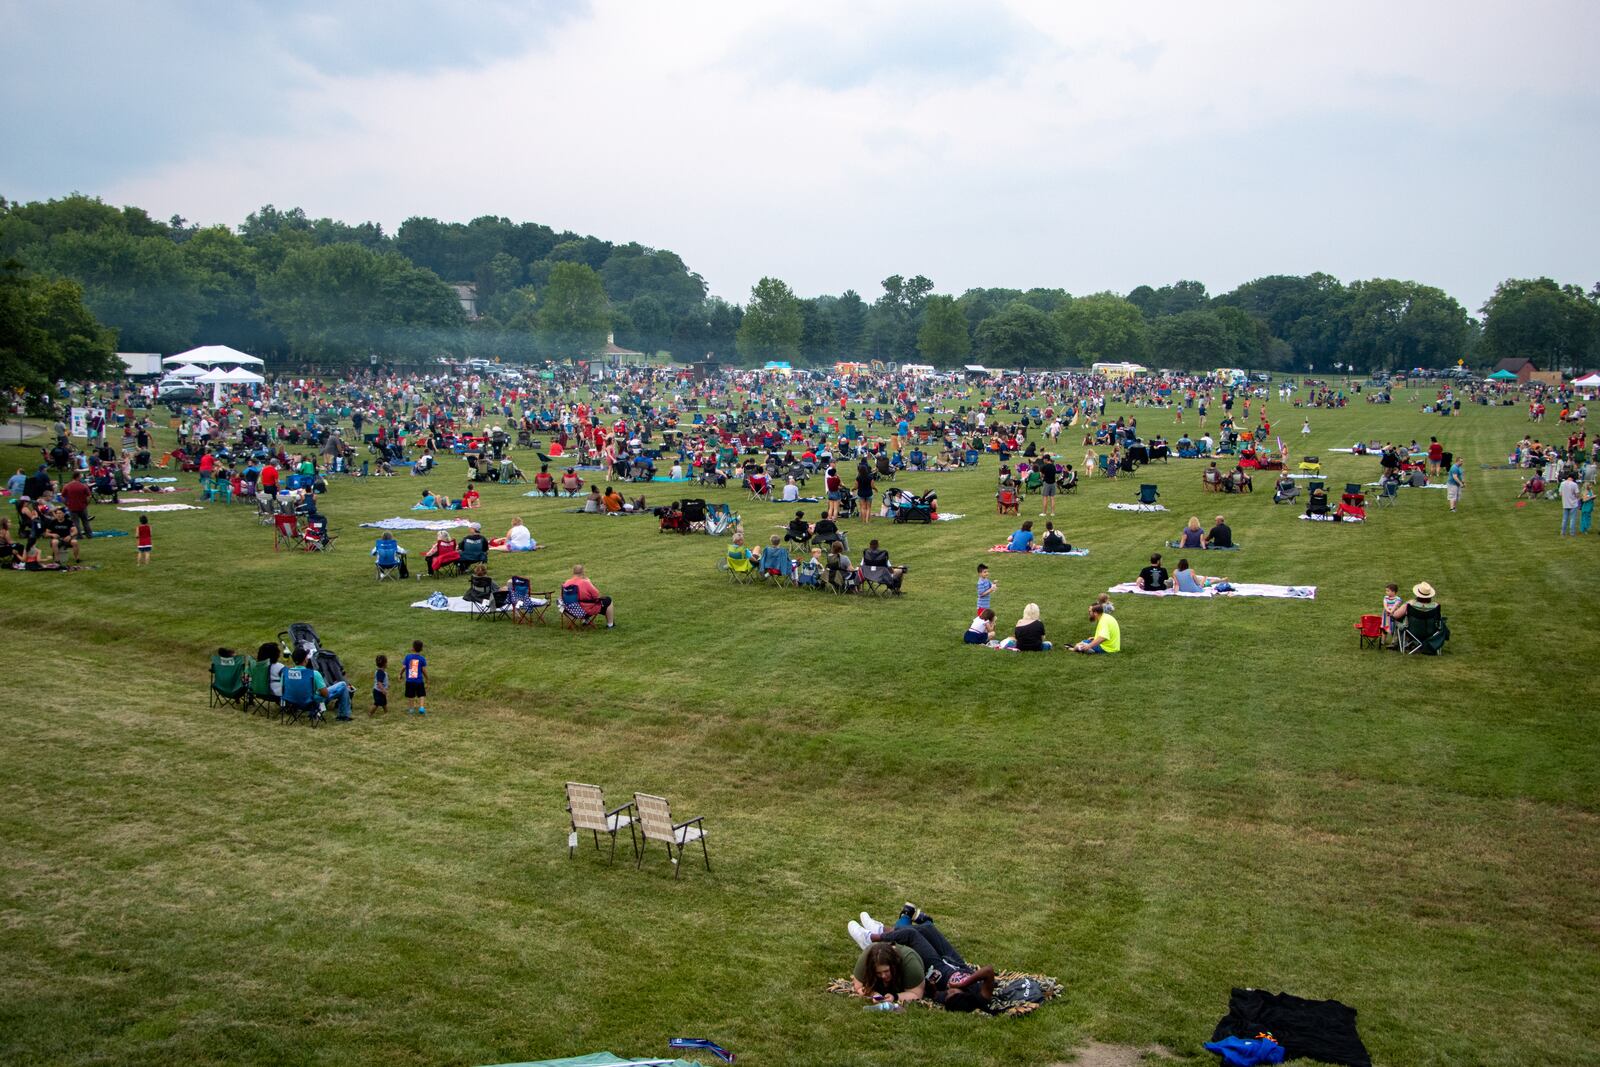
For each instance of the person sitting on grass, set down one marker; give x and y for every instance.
(1193, 536)
(1053, 540)
(1022, 539)
(1185, 580)
(913, 960)
(612, 500)
(1154, 577)
(1107, 633)
(469, 499)
(594, 504)
(1219, 536)
(1028, 634)
(589, 597)
(518, 539)
(981, 630)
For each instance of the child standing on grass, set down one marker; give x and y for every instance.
(986, 586)
(415, 669)
(1391, 603)
(380, 686)
(144, 539)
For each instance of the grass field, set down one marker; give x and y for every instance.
(1242, 798)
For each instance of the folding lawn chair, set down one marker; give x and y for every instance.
(285, 531)
(1310, 465)
(525, 605)
(587, 806)
(877, 580)
(1424, 631)
(1388, 493)
(260, 697)
(573, 617)
(1370, 631)
(741, 569)
(1006, 502)
(299, 697)
(230, 681)
(1148, 494)
(655, 820)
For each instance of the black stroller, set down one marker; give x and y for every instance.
(905, 506)
(304, 635)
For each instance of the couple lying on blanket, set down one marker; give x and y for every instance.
(1154, 578)
(1022, 540)
(913, 960)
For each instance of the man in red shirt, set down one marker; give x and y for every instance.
(75, 494)
(269, 478)
(589, 597)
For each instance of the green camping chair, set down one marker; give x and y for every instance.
(230, 681)
(259, 697)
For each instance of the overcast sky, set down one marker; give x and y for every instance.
(1087, 146)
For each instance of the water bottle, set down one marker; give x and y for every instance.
(882, 1005)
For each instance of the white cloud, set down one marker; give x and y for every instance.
(1077, 145)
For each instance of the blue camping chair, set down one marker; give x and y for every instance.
(300, 695)
(1148, 494)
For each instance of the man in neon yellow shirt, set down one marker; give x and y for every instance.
(1107, 634)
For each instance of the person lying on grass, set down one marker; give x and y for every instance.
(913, 960)
(1186, 580)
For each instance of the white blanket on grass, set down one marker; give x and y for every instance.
(1281, 592)
(949, 516)
(1137, 507)
(163, 507)
(416, 524)
(1331, 518)
(464, 606)
(1408, 485)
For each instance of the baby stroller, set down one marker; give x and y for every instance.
(300, 635)
(907, 507)
(1352, 503)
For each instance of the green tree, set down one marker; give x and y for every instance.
(896, 316)
(850, 325)
(47, 333)
(1556, 326)
(649, 325)
(141, 286)
(772, 325)
(1102, 327)
(943, 339)
(1400, 324)
(1020, 335)
(574, 315)
(342, 301)
(1191, 340)
(1308, 313)
(816, 332)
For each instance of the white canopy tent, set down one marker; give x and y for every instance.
(1588, 381)
(212, 355)
(216, 377)
(188, 370)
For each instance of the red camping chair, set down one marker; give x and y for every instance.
(1007, 503)
(1370, 631)
(285, 531)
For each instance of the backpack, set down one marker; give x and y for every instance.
(1016, 997)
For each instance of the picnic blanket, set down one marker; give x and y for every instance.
(949, 516)
(1308, 477)
(1051, 987)
(1330, 518)
(1408, 485)
(1137, 507)
(416, 524)
(109, 533)
(154, 481)
(458, 604)
(507, 548)
(1280, 592)
(163, 507)
(1040, 552)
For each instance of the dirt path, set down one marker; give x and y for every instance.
(1099, 1054)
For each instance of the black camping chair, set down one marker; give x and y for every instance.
(1424, 630)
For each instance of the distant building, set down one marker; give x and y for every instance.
(1522, 368)
(467, 293)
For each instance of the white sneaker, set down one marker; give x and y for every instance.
(871, 925)
(858, 934)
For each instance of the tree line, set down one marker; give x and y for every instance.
(290, 287)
